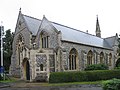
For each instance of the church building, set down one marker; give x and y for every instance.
(41, 47)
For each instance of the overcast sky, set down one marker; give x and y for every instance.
(78, 14)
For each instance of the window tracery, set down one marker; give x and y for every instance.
(45, 40)
(72, 59)
(20, 46)
(89, 57)
(101, 57)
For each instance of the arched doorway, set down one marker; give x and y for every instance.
(118, 63)
(26, 67)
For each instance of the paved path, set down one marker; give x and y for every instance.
(49, 88)
(40, 86)
(2, 85)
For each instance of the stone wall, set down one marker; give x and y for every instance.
(83, 51)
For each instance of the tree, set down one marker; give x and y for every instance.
(7, 48)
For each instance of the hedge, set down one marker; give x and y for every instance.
(113, 84)
(79, 76)
(96, 67)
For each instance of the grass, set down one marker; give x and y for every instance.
(7, 81)
(53, 84)
(12, 79)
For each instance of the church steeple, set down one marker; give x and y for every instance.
(98, 31)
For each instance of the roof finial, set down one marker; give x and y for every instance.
(97, 17)
(43, 15)
(116, 34)
(20, 9)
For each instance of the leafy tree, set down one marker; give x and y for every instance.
(7, 48)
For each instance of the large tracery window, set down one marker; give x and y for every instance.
(101, 57)
(89, 57)
(72, 59)
(20, 45)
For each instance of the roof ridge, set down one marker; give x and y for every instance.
(74, 29)
(32, 17)
(109, 37)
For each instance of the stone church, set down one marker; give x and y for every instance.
(41, 47)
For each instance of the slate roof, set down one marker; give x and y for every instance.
(111, 40)
(73, 35)
(70, 34)
(32, 23)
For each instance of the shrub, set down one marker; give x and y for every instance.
(113, 84)
(60, 77)
(79, 76)
(96, 67)
(117, 67)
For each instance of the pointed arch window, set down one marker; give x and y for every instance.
(89, 57)
(72, 59)
(45, 40)
(101, 57)
(110, 59)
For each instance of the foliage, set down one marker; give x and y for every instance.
(117, 67)
(118, 63)
(79, 76)
(7, 48)
(113, 84)
(96, 67)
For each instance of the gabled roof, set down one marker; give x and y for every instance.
(73, 35)
(69, 34)
(32, 23)
(111, 40)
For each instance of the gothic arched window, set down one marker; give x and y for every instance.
(45, 40)
(110, 59)
(89, 57)
(101, 57)
(72, 59)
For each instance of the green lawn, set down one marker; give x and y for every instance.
(12, 79)
(53, 84)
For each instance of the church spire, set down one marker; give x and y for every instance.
(98, 31)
